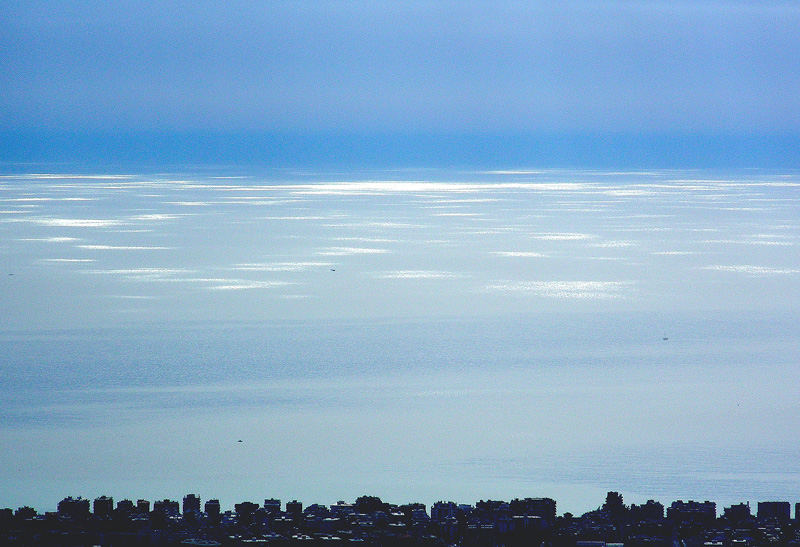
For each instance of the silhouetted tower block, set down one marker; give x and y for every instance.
(125, 506)
(103, 506)
(650, 511)
(369, 504)
(737, 513)
(295, 509)
(167, 507)
(490, 507)
(191, 504)
(74, 508)
(142, 506)
(445, 509)
(213, 510)
(535, 507)
(245, 511)
(692, 511)
(341, 509)
(272, 506)
(774, 510)
(6, 514)
(797, 512)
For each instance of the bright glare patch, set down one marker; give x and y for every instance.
(141, 274)
(78, 222)
(366, 239)
(47, 199)
(281, 266)
(582, 290)
(414, 187)
(628, 192)
(417, 274)
(124, 248)
(51, 239)
(57, 260)
(613, 244)
(752, 270)
(521, 254)
(451, 201)
(190, 203)
(562, 236)
(48, 176)
(156, 216)
(514, 172)
(344, 251)
(375, 224)
(248, 285)
(761, 242)
(299, 217)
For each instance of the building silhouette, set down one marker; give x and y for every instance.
(191, 504)
(774, 510)
(213, 510)
(74, 508)
(103, 506)
(142, 506)
(692, 511)
(737, 513)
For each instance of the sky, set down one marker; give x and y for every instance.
(522, 72)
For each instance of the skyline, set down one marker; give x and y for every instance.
(103, 505)
(369, 519)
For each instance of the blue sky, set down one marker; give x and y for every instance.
(525, 70)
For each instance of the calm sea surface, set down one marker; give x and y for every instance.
(417, 335)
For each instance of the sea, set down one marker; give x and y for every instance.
(418, 334)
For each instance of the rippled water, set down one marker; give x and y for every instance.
(416, 335)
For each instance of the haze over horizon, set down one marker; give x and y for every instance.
(662, 84)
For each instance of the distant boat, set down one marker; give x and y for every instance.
(665, 338)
